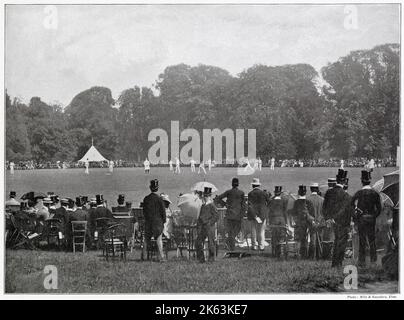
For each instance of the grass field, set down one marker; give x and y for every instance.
(90, 273)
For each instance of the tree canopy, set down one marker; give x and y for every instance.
(355, 113)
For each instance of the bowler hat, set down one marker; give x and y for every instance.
(13, 194)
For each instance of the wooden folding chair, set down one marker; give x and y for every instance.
(24, 235)
(79, 233)
(115, 242)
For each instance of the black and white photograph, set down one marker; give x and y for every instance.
(198, 149)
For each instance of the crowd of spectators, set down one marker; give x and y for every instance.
(356, 162)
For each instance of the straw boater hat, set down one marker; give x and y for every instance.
(256, 182)
(165, 197)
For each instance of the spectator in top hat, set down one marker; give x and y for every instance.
(258, 201)
(155, 216)
(303, 215)
(121, 205)
(337, 212)
(316, 228)
(277, 217)
(367, 207)
(12, 204)
(101, 211)
(207, 219)
(235, 212)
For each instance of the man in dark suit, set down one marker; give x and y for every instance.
(337, 212)
(303, 216)
(207, 219)
(236, 208)
(155, 216)
(62, 214)
(367, 207)
(277, 218)
(316, 227)
(258, 201)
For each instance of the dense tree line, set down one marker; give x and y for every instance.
(355, 114)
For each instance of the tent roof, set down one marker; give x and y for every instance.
(93, 155)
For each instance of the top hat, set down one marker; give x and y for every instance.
(278, 190)
(207, 191)
(84, 199)
(235, 182)
(79, 201)
(302, 190)
(341, 176)
(121, 198)
(128, 204)
(256, 182)
(13, 194)
(366, 177)
(99, 199)
(154, 185)
(23, 205)
(165, 197)
(50, 193)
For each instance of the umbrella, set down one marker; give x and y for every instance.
(190, 205)
(32, 195)
(389, 187)
(200, 186)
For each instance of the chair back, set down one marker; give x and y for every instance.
(79, 227)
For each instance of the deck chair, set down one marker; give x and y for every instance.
(115, 242)
(24, 233)
(79, 233)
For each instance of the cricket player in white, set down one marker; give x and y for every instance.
(146, 164)
(177, 165)
(192, 162)
(87, 164)
(272, 163)
(201, 166)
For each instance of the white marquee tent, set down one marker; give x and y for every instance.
(93, 155)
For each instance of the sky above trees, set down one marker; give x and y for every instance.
(122, 46)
